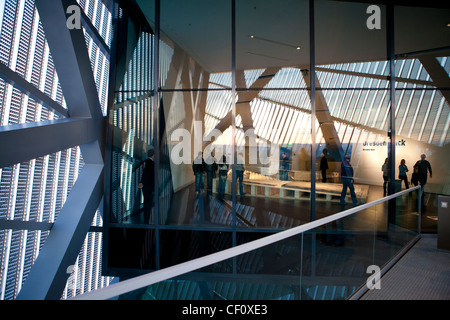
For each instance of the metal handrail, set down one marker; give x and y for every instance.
(153, 277)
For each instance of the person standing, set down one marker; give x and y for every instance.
(347, 180)
(403, 169)
(211, 169)
(324, 166)
(147, 184)
(240, 172)
(415, 175)
(199, 171)
(284, 167)
(385, 169)
(223, 173)
(423, 167)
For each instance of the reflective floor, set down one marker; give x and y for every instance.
(208, 210)
(200, 224)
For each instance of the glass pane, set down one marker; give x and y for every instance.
(273, 111)
(329, 262)
(352, 103)
(131, 121)
(397, 224)
(195, 111)
(422, 68)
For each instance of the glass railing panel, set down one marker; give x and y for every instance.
(325, 261)
(336, 257)
(397, 224)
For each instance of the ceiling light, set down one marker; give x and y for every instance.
(252, 36)
(298, 48)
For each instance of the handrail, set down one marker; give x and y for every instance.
(153, 277)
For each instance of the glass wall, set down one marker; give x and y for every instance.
(422, 105)
(329, 262)
(236, 119)
(352, 101)
(273, 113)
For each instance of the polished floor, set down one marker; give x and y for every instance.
(189, 209)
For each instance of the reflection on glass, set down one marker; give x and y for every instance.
(423, 108)
(240, 161)
(352, 105)
(132, 130)
(330, 262)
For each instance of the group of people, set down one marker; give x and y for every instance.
(212, 168)
(419, 175)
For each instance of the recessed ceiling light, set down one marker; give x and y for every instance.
(252, 36)
(298, 48)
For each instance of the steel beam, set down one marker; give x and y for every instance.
(23, 142)
(438, 74)
(326, 121)
(48, 276)
(14, 79)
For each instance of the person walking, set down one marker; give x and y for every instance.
(347, 181)
(423, 168)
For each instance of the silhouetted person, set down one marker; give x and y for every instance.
(223, 172)
(324, 166)
(199, 171)
(385, 169)
(423, 167)
(347, 180)
(240, 172)
(147, 184)
(403, 169)
(284, 167)
(211, 169)
(415, 176)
